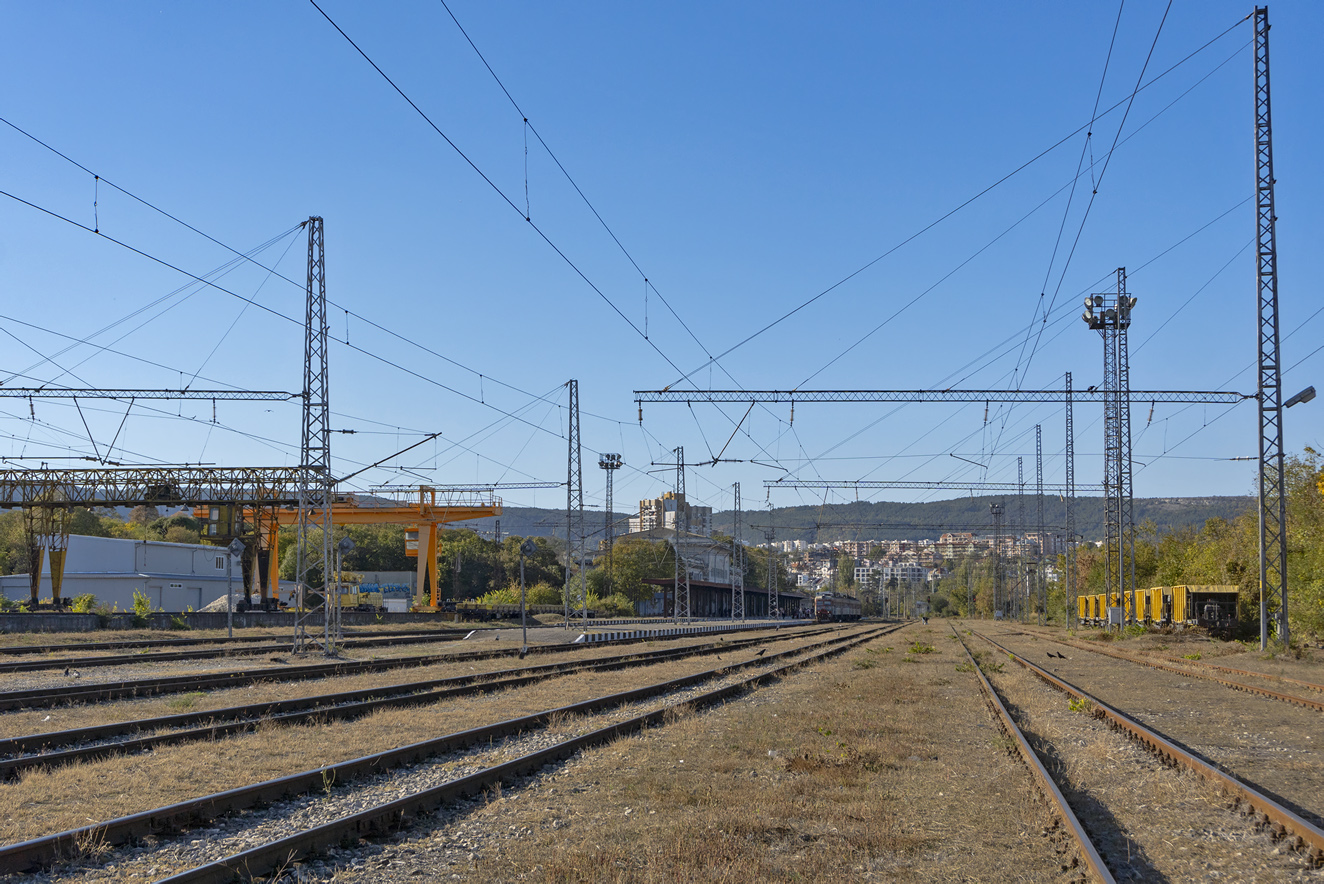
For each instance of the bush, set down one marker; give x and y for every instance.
(83, 604)
(142, 607)
(617, 605)
(8, 604)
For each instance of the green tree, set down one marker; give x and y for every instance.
(631, 562)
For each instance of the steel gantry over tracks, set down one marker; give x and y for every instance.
(46, 497)
(1206, 397)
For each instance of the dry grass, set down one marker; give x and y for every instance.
(47, 801)
(882, 773)
(23, 723)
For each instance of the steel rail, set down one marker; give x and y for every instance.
(130, 644)
(35, 750)
(42, 852)
(1284, 822)
(1306, 702)
(174, 656)
(1089, 853)
(46, 697)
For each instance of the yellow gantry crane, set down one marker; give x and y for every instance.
(421, 509)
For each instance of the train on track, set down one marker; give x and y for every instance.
(831, 606)
(1212, 607)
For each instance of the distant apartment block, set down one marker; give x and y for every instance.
(661, 513)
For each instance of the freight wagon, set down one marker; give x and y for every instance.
(1210, 607)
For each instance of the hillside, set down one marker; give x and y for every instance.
(902, 521)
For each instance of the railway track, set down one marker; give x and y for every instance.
(1137, 845)
(213, 652)
(396, 785)
(95, 692)
(1191, 669)
(50, 749)
(134, 644)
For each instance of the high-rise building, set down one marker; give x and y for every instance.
(660, 512)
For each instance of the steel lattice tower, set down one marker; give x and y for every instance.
(1110, 315)
(1069, 501)
(610, 463)
(995, 510)
(737, 562)
(774, 601)
(316, 486)
(1021, 597)
(682, 599)
(574, 511)
(1039, 505)
(1273, 496)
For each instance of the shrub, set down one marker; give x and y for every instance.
(617, 605)
(142, 606)
(83, 604)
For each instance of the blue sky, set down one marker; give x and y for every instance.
(746, 156)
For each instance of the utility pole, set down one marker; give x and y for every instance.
(610, 463)
(574, 511)
(995, 510)
(1272, 493)
(737, 562)
(316, 485)
(1068, 500)
(1022, 596)
(681, 608)
(1039, 503)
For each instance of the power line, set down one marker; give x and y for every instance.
(955, 210)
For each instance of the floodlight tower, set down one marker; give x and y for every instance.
(1110, 315)
(610, 463)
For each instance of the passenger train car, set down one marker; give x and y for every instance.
(1211, 607)
(831, 606)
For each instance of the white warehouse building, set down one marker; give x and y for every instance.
(175, 576)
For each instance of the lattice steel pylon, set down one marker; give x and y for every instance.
(610, 463)
(316, 485)
(1021, 597)
(1068, 500)
(681, 608)
(774, 600)
(574, 512)
(737, 562)
(995, 510)
(1039, 505)
(1273, 494)
(1110, 315)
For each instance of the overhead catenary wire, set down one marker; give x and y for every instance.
(1008, 176)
